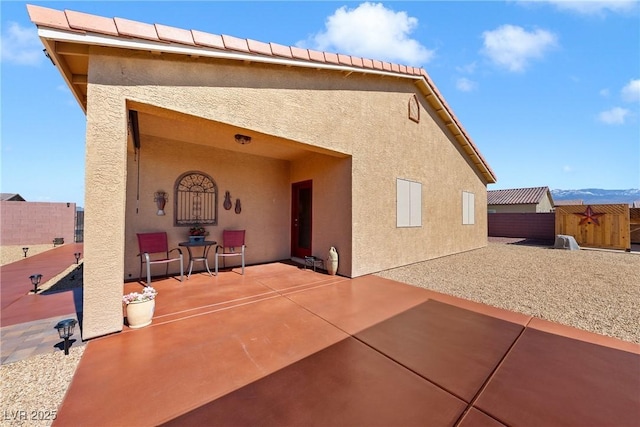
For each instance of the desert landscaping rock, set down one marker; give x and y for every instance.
(593, 290)
(31, 390)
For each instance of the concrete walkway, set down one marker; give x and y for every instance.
(27, 321)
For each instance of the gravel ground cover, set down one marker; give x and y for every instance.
(9, 254)
(31, 390)
(593, 290)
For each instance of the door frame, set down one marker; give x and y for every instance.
(296, 250)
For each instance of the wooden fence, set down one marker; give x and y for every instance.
(596, 226)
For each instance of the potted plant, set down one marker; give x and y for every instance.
(140, 307)
(197, 233)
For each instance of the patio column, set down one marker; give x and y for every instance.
(105, 197)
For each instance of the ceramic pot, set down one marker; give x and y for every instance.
(140, 314)
(332, 261)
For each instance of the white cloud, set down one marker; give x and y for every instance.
(465, 85)
(605, 93)
(468, 68)
(594, 7)
(20, 45)
(567, 169)
(512, 47)
(631, 92)
(371, 31)
(614, 116)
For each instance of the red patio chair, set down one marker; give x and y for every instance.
(232, 245)
(154, 249)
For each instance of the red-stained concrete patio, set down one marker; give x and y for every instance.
(287, 346)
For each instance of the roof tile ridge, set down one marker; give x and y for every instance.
(210, 40)
(281, 50)
(316, 55)
(47, 17)
(122, 27)
(235, 43)
(136, 29)
(300, 53)
(256, 46)
(87, 22)
(331, 58)
(173, 34)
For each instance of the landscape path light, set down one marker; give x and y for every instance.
(77, 255)
(25, 250)
(65, 330)
(35, 281)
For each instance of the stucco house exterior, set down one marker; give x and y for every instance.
(317, 149)
(513, 200)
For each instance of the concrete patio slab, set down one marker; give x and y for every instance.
(346, 384)
(454, 348)
(556, 381)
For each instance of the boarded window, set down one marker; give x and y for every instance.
(468, 208)
(408, 203)
(196, 200)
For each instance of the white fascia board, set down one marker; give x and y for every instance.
(151, 46)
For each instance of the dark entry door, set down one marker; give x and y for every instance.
(301, 197)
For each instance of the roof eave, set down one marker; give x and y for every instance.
(51, 35)
(436, 100)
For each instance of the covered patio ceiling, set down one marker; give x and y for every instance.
(171, 125)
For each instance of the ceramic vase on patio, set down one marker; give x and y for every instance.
(140, 314)
(332, 261)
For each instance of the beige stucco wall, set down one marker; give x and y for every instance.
(545, 205)
(261, 184)
(331, 205)
(361, 118)
(105, 197)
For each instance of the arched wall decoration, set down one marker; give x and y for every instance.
(196, 200)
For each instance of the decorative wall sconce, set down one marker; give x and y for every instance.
(25, 250)
(65, 330)
(242, 139)
(160, 197)
(35, 281)
(238, 207)
(227, 200)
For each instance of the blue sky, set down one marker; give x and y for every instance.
(549, 91)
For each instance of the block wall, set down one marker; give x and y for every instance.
(540, 226)
(34, 223)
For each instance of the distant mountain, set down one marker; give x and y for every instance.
(598, 196)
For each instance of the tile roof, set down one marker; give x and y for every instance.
(83, 22)
(11, 197)
(517, 196)
(157, 37)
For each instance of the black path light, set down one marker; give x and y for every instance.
(77, 255)
(35, 281)
(65, 330)
(25, 250)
